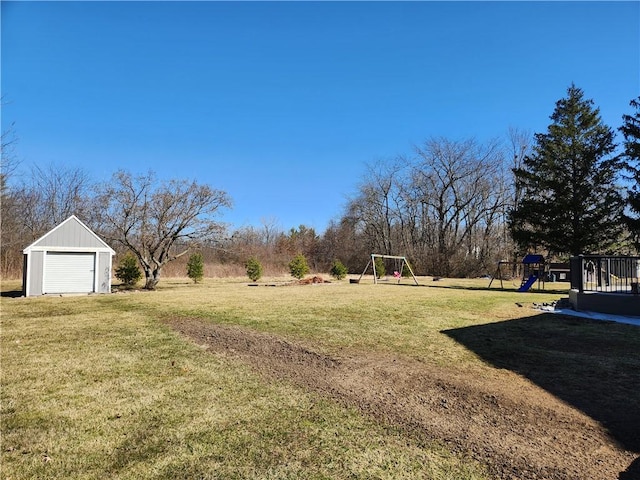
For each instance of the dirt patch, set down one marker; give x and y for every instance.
(315, 280)
(312, 281)
(517, 429)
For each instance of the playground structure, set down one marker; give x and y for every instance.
(400, 264)
(533, 270)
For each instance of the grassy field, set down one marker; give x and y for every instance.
(100, 386)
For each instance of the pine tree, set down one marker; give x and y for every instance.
(381, 270)
(195, 267)
(631, 131)
(570, 202)
(128, 271)
(254, 269)
(298, 266)
(338, 270)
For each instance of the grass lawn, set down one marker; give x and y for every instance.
(100, 386)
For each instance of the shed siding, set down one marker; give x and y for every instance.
(104, 272)
(25, 258)
(36, 277)
(70, 235)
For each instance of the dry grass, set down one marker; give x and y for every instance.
(387, 317)
(98, 386)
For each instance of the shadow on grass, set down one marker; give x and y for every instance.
(11, 293)
(592, 365)
(557, 291)
(631, 473)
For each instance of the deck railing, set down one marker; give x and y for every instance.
(604, 273)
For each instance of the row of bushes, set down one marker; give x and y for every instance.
(129, 273)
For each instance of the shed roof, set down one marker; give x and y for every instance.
(70, 234)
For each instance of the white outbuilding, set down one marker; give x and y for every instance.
(71, 258)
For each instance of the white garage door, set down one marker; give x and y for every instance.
(67, 272)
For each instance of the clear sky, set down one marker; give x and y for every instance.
(281, 104)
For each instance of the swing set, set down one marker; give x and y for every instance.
(400, 264)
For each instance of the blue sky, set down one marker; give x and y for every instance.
(281, 104)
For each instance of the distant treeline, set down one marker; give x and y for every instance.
(452, 207)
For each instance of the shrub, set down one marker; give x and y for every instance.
(338, 270)
(195, 267)
(254, 269)
(405, 271)
(381, 271)
(298, 266)
(128, 271)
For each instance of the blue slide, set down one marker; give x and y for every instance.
(527, 285)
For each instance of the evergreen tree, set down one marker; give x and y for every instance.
(570, 202)
(254, 269)
(338, 270)
(128, 271)
(298, 266)
(381, 270)
(195, 267)
(631, 131)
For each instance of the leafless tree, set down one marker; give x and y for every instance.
(443, 208)
(343, 240)
(8, 159)
(45, 197)
(10, 231)
(158, 221)
(379, 204)
(54, 193)
(270, 231)
(519, 146)
(456, 181)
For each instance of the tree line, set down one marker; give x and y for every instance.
(452, 207)
(456, 207)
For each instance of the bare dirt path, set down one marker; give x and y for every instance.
(514, 427)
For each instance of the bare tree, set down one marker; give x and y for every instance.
(457, 183)
(520, 142)
(443, 209)
(158, 221)
(270, 231)
(379, 204)
(343, 240)
(8, 159)
(10, 231)
(49, 196)
(54, 193)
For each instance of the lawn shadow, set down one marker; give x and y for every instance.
(557, 291)
(592, 365)
(631, 473)
(11, 293)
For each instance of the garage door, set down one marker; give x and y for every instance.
(67, 272)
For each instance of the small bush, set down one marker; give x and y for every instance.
(195, 267)
(128, 271)
(381, 271)
(298, 266)
(405, 271)
(254, 269)
(338, 270)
